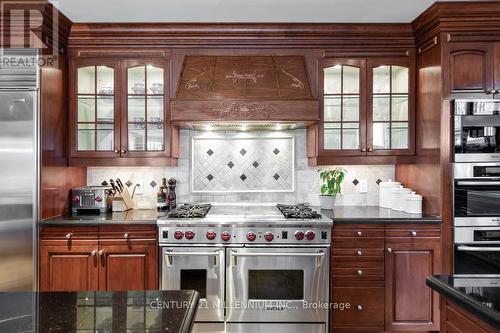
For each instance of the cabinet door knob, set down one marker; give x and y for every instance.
(116, 151)
(360, 272)
(359, 252)
(360, 308)
(125, 236)
(413, 233)
(389, 250)
(69, 235)
(370, 150)
(359, 233)
(492, 91)
(101, 253)
(124, 151)
(93, 253)
(363, 150)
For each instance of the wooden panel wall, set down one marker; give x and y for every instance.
(57, 178)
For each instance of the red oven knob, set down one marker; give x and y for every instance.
(189, 234)
(225, 236)
(299, 235)
(98, 198)
(178, 234)
(251, 236)
(211, 234)
(268, 236)
(310, 235)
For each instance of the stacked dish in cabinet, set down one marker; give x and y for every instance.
(395, 196)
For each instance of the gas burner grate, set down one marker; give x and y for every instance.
(300, 211)
(190, 211)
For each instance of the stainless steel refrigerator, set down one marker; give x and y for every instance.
(19, 170)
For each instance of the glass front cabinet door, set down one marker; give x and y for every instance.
(390, 107)
(119, 108)
(366, 107)
(344, 107)
(95, 117)
(145, 130)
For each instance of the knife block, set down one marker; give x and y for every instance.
(123, 203)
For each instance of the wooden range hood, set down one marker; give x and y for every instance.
(244, 89)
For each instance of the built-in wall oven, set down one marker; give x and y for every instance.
(477, 130)
(476, 194)
(477, 250)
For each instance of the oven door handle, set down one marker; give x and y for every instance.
(466, 248)
(170, 254)
(478, 183)
(318, 255)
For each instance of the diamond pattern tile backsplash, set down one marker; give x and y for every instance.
(306, 182)
(251, 164)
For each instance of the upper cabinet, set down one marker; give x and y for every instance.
(119, 112)
(472, 69)
(367, 108)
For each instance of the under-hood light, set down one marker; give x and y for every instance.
(244, 127)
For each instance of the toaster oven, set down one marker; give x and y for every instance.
(90, 199)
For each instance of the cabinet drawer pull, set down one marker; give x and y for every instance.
(359, 233)
(360, 272)
(360, 308)
(69, 235)
(413, 233)
(359, 252)
(124, 151)
(101, 253)
(389, 250)
(93, 253)
(363, 150)
(125, 236)
(370, 150)
(117, 151)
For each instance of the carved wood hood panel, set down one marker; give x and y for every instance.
(244, 88)
(238, 77)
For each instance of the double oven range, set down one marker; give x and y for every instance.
(476, 173)
(257, 268)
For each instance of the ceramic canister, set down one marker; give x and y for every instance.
(385, 192)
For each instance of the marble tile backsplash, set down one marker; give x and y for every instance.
(306, 181)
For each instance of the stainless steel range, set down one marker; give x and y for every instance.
(258, 268)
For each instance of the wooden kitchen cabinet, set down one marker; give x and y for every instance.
(472, 68)
(119, 112)
(104, 258)
(367, 111)
(380, 270)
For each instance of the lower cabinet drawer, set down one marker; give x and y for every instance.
(358, 307)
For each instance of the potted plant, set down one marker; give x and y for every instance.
(331, 187)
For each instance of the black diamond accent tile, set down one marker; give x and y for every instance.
(153, 183)
(276, 176)
(230, 164)
(243, 177)
(255, 164)
(355, 182)
(210, 152)
(243, 152)
(276, 151)
(129, 183)
(210, 177)
(378, 181)
(104, 183)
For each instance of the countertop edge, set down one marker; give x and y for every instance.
(190, 315)
(490, 316)
(386, 221)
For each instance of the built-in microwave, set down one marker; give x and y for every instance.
(477, 130)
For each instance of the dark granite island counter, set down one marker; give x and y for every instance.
(67, 312)
(472, 302)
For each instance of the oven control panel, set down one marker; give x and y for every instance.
(244, 235)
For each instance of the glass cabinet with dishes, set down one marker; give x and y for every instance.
(119, 109)
(367, 108)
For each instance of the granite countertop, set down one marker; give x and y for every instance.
(132, 311)
(479, 295)
(129, 217)
(364, 214)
